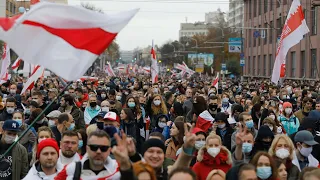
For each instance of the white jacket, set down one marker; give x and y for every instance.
(64, 161)
(313, 162)
(111, 173)
(33, 173)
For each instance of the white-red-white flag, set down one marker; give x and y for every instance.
(146, 70)
(16, 63)
(215, 82)
(65, 39)
(5, 78)
(36, 74)
(5, 62)
(293, 30)
(154, 66)
(109, 70)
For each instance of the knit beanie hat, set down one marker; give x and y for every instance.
(153, 143)
(45, 143)
(287, 105)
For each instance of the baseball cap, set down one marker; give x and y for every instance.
(54, 114)
(11, 125)
(101, 114)
(305, 137)
(111, 116)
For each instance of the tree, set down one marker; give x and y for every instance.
(233, 66)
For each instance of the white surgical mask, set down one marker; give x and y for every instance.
(9, 139)
(199, 144)
(161, 124)
(118, 98)
(221, 126)
(10, 110)
(305, 151)
(51, 123)
(213, 151)
(106, 109)
(288, 110)
(157, 102)
(282, 153)
(103, 96)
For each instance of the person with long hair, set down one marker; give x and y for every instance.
(143, 171)
(82, 142)
(158, 106)
(265, 166)
(176, 140)
(282, 170)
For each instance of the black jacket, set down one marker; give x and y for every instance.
(5, 116)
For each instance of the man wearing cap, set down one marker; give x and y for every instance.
(53, 117)
(46, 167)
(14, 165)
(304, 141)
(67, 106)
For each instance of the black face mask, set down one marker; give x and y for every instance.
(213, 107)
(266, 145)
(93, 104)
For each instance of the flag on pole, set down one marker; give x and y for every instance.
(16, 64)
(36, 74)
(69, 37)
(154, 66)
(5, 63)
(215, 82)
(293, 30)
(109, 70)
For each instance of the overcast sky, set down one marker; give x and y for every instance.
(157, 19)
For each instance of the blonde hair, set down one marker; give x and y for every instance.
(275, 141)
(162, 109)
(213, 136)
(91, 128)
(216, 172)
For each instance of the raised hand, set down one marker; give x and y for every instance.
(190, 137)
(120, 151)
(131, 147)
(240, 134)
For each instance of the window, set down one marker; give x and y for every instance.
(259, 65)
(249, 65)
(254, 39)
(249, 39)
(271, 33)
(279, 29)
(254, 66)
(313, 63)
(254, 8)
(265, 6)
(293, 64)
(259, 7)
(271, 4)
(270, 64)
(259, 38)
(250, 9)
(314, 20)
(303, 63)
(264, 65)
(265, 40)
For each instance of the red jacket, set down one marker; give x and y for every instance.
(207, 163)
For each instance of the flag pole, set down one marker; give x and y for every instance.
(150, 79)
(34, 121)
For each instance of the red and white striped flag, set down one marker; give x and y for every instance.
(5, 62)
(154, 66)
(293, 30)
(146, 70)
(109, 70)
(16, 64)
(77, 36)
(204, 121)
(215, 82)
(36, 74)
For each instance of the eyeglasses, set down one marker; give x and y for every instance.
(94, 147)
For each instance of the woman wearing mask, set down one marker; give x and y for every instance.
(263, 140)
(223, 129)
(200, 142)
(213, 156)
(279, 127)
(282, 170)
(282, 149)
(271, 124)
(31, 136)
(44, 132)
(265, 166)
(92, 110)
(225, 104)
(289, 121)
(176, 140)
(163, 126)
(158, 107)
(128, 124)
(82, 142)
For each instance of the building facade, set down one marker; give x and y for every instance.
(191, 29)
(301, 60)
(236, 13)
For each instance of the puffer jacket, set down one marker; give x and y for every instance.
(291, 125)
(34, 174)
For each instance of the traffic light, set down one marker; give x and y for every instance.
(315, 3)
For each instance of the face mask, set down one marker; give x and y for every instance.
(13, 91)
(40, 122)
(249, 124)
(225, 100)
(309, 95)
(221, 126)
(170, 87)
(80, 144)
(157, 102)
(131, 104)
(273, 104)
(246, 147)
(271, 128)
(264, 172)
(103, 96)
(161, 124)
(71, 127)
(199, 144)
(10, 110)
(288, 110)
(284, 97)
(282, 153)
(213, 151)
(19, 121)
(118, 98)
(105, 109)
(52, 123)
(9, 139)
(272, 117)
(155, 90)
(305, 151)
(41, 139)
(126, 93)
(93, 104)
(213, 107)
(27, 111)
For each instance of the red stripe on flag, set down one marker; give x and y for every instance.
(7, 23)
(94, 40)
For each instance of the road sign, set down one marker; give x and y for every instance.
(241, 55)
(256, 34)
(242, 62)
(235, 45)
(263, 34)
(223, 67)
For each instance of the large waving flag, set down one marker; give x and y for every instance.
(293, 30)
(5, 63)
(204, 121)
(154, 66)
(16, 64)
(215, 82)
(65, 39)
(36, 74)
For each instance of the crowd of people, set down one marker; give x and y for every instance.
(128, 128)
